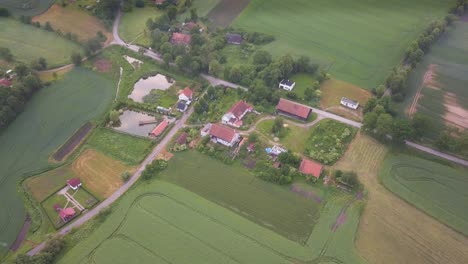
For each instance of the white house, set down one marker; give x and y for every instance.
(74, 183)
(186, 95)
(287, 85)
(349, 103)
(221, 134)
(234, 116)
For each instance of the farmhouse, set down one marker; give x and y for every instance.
(233, 38)
(74, 183)
(292, 109)
(159, 129)
(234, 116)
(221, 134)
(287, 85)
(67, 214)
(311, 168)
(180, 38)
(186, 95)
(349, 103)
(5, 82)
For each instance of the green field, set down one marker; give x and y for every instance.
(359, 40)
(132, 26)
(159, 222)
(28, 43)
(49, 119)
(26, 7)
(203, 7)
(445, 99)
(437, 189)
(129, 149)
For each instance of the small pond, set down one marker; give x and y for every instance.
(130, 123)
(145, 86)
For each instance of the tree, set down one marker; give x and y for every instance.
(253, 137)
(48, 26)
(193, 14)
(125, 176)
(262, 57)
(370, 121)
(76, 58)
(384, 125)
(6, 54)
(139, 3)
(4, 12)
(278, 126)
(215, 68)
(421, 124)
(285, 66)
(172, 12)
(446, 142)
(401, 130)
(167, 57)
(114, 116)
(21, 70)
(350, 178)
(309, 93)
(153, 169)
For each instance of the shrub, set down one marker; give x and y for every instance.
(125, 176)
(153, 169)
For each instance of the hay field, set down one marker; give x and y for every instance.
(159, 222)
(100, 173)
(73, 20)
(391, 230)
(26, 7)
(49, 119)
(437, 87)
(359, 41)
(28, 43)
(437, 189)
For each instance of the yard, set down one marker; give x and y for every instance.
(72, 19)
(132, 26)
(328, 141)
(357, 40)
(294, 136)
(28, 43)
(49, 119)
(389, 226)
(128, 149)
(435, 188)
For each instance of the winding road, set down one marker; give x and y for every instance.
(180, 123)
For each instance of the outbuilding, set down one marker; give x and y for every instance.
(293, 109)
(312, 168)
(74, 183)
(349, 103)
(233, 38)
(287, 85)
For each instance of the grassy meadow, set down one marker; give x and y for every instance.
(358, 41)
(435, 188)
(444, 98)
(132, 26)
(28, 43)
(49, 119)
(156, 221)
(73, 20)
(26, 7)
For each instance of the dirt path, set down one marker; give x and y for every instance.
(391, 230)
(427, 79)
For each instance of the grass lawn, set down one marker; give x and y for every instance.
(133, 24)
(328, 141)
(152, 219)
(359, 41)
(26, 7)
(237, 189)
(45, 184)
(86, 199)
(73, 20)
(167, 98)
(28, 43)
(294, 136)
(48, 207)
(437, 189)
(49, 119)
(444, 98)
(129, 149)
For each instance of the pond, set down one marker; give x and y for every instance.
(130, 123)
(145, 86)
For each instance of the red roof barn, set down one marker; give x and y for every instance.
(293, 109)
(157, 131)
(311, 168)
(180, 38)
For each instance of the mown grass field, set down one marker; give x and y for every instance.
(389, 226)
(294, 136)
(129, 149)
(132, 26)
(28, 43)
(159, 222)
(435, 188)
(359, 41)
(237, 189)
(49, 119)
(26, 7)
(73, 20)
(333, 90)
(444, 98)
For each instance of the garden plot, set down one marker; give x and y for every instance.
(144, 86)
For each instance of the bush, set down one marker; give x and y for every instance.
(125, 176)
(139, 3)
(153, 169)
(4, 12)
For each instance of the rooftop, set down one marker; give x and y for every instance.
(293, 108)
(222, 132)
(180, 38)
(157, 131)
(74, 182)
(187, 92)
(310, 168)
(349, 101)
(286, 82)
(239, 108)
(5, 82)
(234, 38)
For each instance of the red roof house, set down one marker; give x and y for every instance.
(74, 183)
(186, 94)
(5, 82)
(180, 38)
(311, 168)
(234, 116)
(221, 134)
(157, 131)
(293, 109)
(67, 214)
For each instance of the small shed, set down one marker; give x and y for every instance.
(349, 103)
(233, 38)
(312, 168)
(287, 85)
